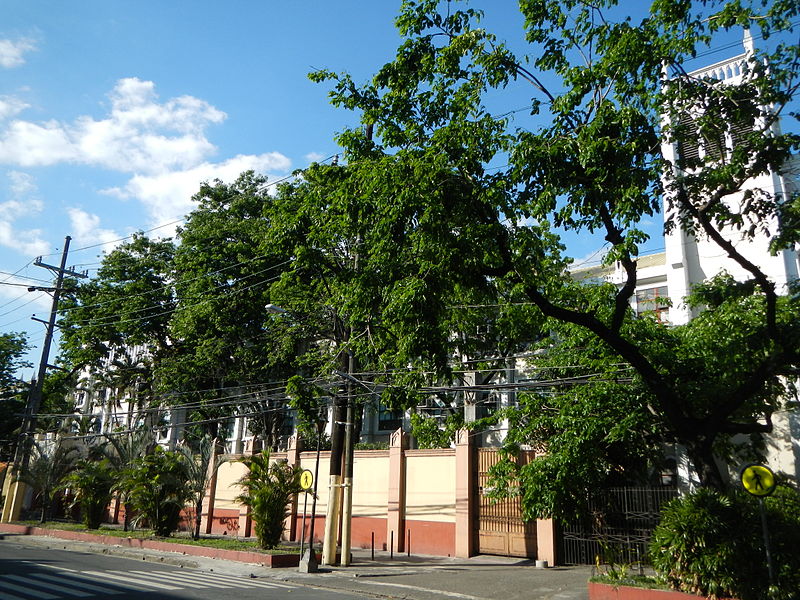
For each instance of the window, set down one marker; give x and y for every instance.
(389, 420)
(655, 302)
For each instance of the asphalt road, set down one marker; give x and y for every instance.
(35, 573)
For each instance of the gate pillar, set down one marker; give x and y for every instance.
(465, 490)
(396, 511)
(546, 541)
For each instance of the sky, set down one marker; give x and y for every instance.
(112, 112)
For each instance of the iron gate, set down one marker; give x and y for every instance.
(619, 529)
(499, 525)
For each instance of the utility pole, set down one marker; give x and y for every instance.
(350, 434)
(334, 484)
(35, 395)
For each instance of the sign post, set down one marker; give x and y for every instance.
(306, 481)
(759, 481)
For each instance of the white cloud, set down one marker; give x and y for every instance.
(22, 201)
(167, 196)
(10, 106)
(314, 157)
(12, 52)
(139, 135)
(27, 242)
(86, 229)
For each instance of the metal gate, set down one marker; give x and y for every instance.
(619, 529)
(499, 526)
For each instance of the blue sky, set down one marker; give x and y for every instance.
(113, 111)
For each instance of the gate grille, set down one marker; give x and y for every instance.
(619, 530)
(500, 528)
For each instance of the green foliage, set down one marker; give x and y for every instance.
(12, 396)
(129, 302)
(49, 462)
(122, 450)
(268, 489)
(12, 348)
(371, 446)
(201, 463)
(444, 234)
(157, 489)
(222, 276)
(310, 408)
(91, 482)
(711, 544)
(429, 434)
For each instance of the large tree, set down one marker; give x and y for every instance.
(12, 396)
(226, 344)
(589, 162)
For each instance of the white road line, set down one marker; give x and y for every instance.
(189, 580)
(100, 589)
(7, 596)
(198, 578)
(126, 580)
(46, 566)
(421, 589)
(26, 590)
(31, 580)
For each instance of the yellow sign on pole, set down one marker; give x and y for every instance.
(758, 480)
(306, 480)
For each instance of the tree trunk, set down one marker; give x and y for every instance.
(126, 521)
(702, 456)
(198, 516)
(45, 506)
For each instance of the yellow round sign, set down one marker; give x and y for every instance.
(306, 479)
(758, 480)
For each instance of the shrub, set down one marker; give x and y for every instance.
(47, 466)
(268, 488)
(712, 544)
(91, 483)
(157, 489)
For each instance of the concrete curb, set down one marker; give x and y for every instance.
(254, 558)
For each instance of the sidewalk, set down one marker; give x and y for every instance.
(412, 578)
(431, 577)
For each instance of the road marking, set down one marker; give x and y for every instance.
(131, 580)
(189, 580)
(422, 589)
(198, 578)
(26, 590)
(125, 579)
(101, 589)
(7, 596)
(30, 580)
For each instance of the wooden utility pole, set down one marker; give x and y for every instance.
(22, 456)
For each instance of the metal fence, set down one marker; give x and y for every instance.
(619, 529)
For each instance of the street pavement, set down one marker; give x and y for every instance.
(406, 577)
(36, 572)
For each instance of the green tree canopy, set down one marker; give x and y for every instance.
(589, 162)
(12, 390)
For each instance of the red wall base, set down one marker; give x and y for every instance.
(604, 591)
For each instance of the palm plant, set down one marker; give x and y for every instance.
(156, 487)
(91, 482)
(121, 451)
(268, 488)
(201, 466)
(47, 465)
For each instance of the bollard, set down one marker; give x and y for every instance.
(373, 545)
(408, 544)
(391, 546)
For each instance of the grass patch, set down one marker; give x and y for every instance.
(221, 543)
(637, 581)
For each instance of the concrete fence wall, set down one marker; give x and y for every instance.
(422, 501)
